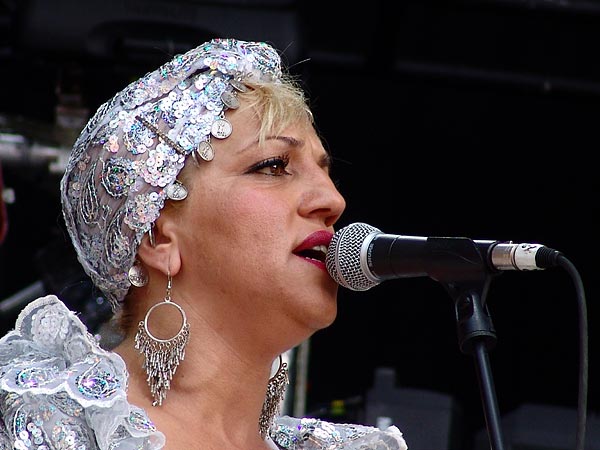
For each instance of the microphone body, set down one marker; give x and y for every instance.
(361, 256)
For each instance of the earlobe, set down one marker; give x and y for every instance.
(163, 254)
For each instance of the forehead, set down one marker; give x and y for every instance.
(251, 129)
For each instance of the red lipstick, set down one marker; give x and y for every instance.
(314, 248)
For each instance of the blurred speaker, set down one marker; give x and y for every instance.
(429, 420)
(541, 427)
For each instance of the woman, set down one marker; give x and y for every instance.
(199, 201)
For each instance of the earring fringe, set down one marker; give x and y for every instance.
(275, 392)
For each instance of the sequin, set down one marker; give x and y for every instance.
(290, 433)
(117, 247)
(94, 246)
(69, 434)
(42, 408)
(34, 377)
(143, 209)
(96, 383)
(162, 165)
(64, 403)
(49, 327)
(117, 176)
(88, 203)
(141, 422)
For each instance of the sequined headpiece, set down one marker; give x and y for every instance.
(125, 162)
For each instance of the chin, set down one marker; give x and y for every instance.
(316, 309)
(326, 315)
(329, 322)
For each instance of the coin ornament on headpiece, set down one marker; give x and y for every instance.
(126, 160)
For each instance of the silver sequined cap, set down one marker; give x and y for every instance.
(128, 156)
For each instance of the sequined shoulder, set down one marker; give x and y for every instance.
(60, 389)
(291, 433)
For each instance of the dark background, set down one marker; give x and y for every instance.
(450, 118)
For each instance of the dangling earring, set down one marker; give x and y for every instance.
(137, 275)
(162, 356)
(275, 391)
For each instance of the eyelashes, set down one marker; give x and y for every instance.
(275, 166)
(278, 166)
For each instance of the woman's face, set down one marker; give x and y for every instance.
(250, 212)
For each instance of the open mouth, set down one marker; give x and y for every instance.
(318, 253)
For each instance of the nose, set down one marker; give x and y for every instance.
(321, 198)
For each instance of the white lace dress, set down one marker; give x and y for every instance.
(59, 390)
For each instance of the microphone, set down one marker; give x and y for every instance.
(360, 256)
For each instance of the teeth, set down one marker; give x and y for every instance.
(320, 248)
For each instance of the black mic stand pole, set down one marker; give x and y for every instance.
(476, 336)
(461, 269)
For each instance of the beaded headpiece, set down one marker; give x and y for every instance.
(126, 160)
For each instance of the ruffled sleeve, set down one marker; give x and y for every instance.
(59, 389)
(291, 433)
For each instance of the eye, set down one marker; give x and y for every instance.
(272, 166)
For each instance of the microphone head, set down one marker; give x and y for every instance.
(343, 259)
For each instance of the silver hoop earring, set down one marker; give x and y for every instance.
(272, 404)
(137, 275)
(162, 356)
(151, 236)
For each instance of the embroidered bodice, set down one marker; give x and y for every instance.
(59, 390)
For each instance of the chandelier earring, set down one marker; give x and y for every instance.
(162, 356)
(272, 404)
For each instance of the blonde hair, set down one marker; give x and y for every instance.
(277, 105)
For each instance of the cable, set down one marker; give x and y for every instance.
(563, 262)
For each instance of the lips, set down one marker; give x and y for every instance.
(314, 247)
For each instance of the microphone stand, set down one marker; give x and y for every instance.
(476, 337)
(467, 283)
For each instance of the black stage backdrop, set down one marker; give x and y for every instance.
(450, 118)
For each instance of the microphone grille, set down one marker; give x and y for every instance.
(343, 256)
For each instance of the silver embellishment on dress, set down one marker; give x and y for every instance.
(33, 377)
(290, 433)
(65, 403)
(97, 383)
(49, 327)
(52, 397)
(140, 422)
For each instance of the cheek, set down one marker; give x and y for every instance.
(248, 227)
(252, 224)
(255, 214)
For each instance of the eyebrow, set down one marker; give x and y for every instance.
(290, 141)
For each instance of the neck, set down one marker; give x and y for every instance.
(214, 392)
